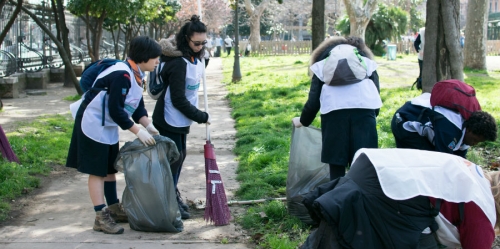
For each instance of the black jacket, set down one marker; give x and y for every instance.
(312, 105)
(363, 217)
(174, 74)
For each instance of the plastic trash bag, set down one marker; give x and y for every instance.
(149, 198)
(305, 170)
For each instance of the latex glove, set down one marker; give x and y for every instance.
(152, 130)
(209, 120)
(145, 138)
(296, 122)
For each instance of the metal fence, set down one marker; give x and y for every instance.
(304, 47)
(27, 48)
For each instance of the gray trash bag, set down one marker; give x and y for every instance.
(149, 198)
(305, 170)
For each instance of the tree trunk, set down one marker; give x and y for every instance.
(318, 22)
(64, 34)
(60, 47)
(442, 53)
(11, 21)
(97, 37)
(236, 65)
(359, 16)
(475, 48)
(255, 13)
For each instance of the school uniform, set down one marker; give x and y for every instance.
(388, 200)
(177, 107)
(417, 125)
(95, 140)
(348, 112)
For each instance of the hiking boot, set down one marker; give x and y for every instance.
(181, 203)
(184, 214)
(103, 222)
(118, 213)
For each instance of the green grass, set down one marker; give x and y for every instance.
(39, 145)
(73, 98)
(272, 91)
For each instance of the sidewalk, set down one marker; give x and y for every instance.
(61, 215)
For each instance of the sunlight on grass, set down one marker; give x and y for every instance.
(272, 92)
(39, 145)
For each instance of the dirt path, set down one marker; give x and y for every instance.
(60, 214)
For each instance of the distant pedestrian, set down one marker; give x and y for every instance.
(209, 45)
(419, 47)
(228, 43)
(218, 45)
(462, 39)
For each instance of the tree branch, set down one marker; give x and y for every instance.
(11, 20)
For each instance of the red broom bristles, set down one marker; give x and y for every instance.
(216, 208)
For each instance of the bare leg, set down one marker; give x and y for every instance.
(96, 188)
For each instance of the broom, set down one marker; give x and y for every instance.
(216, 210)
(6, 149)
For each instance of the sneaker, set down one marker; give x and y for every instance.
(103, 222)
(118, 213)
(181, 203)
(184, 214)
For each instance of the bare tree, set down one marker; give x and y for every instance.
(255, 12)
(215, 13)
(442, 53)
(360, 15)
(60, 47)
(289, 12)
(475, 48)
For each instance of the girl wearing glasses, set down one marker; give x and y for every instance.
(177, 107)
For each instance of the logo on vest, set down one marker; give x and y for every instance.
(193, 87)
(451, 146)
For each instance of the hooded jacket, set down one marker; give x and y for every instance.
(313, 105)
(174, 75)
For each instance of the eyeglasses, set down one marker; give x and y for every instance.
(198, 43)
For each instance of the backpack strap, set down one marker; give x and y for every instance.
(433, 115)
(434, 212)
(461, 207)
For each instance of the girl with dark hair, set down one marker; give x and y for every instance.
(177, 107)
(94, 143)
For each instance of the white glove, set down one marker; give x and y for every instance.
(152, 130)
(145, 138)
(296, 122)
(209, 120)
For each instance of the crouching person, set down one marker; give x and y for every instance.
(94, 143)
(405, 198)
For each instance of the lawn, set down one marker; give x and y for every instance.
(272, 91)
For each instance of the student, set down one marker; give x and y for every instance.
(442, 130)
(403, 198)
(94, 147)
(348, 109)
(177, 107)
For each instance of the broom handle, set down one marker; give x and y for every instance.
(206, 102)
